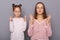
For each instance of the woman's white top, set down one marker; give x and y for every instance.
(17, 28)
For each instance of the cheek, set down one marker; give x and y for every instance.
(41, 10)
(16, 14)
(19, 13)
(37, 10)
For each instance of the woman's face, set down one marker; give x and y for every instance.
(17, 11)
(39, 9)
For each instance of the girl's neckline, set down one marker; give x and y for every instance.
(17, 18)
(40, 22)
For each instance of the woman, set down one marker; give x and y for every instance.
(39, 25)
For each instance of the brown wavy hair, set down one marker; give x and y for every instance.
(44, 11)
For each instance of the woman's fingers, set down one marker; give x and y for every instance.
(31, 19)
(48, 19)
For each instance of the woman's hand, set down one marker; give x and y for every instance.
(48, 19)
(31, 19)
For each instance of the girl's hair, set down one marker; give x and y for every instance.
(44, 11)
(14, 6)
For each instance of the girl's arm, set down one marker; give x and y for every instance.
(24, 24)
(11, 25)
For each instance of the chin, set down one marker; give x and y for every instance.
(17, 15)
(40, 14)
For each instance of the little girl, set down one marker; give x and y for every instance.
(17, 24)
(39, 25)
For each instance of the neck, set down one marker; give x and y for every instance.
(39, 17)
(17, 17)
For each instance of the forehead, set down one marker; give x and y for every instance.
(17, 8)
(40, 5)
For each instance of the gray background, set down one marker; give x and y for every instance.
(52, 7)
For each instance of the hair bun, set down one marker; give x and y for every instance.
(20, 4)
(13, 5)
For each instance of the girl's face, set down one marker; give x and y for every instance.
(39, 9)
(17, 11)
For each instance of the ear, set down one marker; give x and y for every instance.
(20, 4)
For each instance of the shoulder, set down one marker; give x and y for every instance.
(13, 18)
(21, 18)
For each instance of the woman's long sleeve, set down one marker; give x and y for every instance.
(49, 30)
(30, 30)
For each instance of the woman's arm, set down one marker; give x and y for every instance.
(49, 30)
(30, 30)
